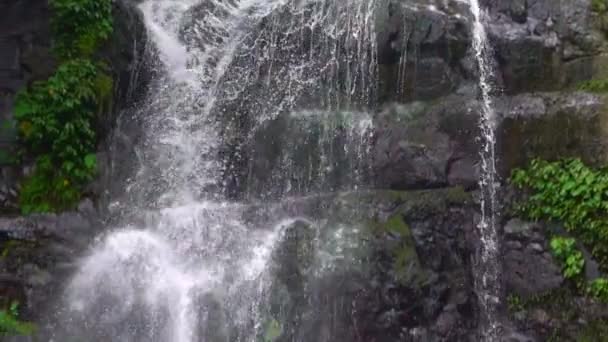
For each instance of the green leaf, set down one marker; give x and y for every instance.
(90, 161)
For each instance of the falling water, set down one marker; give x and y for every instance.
(184, 264)
(487, 282)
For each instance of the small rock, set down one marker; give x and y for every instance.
(517, 227)
(446, 322)
(537, 247)
(517, 337)
(86, 206)
(520, 315)
(513, 244)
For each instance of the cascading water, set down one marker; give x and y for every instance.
(183, 264)
(487, 285)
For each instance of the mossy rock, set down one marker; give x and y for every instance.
(272, 330)
(406, 264)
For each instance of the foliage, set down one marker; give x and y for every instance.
(572, 259)
(599, 289)
(10, 323)
(594, 331)
(599, 6)
(569, 192)
(594, 86)
(56, 117)
(55, 122)
(79, 26)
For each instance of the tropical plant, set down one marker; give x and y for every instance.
(80, 26)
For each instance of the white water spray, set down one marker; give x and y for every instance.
(190, 266)
(487, 285)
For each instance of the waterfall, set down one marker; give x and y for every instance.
(487, 282)
(183, 263)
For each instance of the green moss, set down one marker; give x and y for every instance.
(594, 86)
(430, 200)
(406, 264)
(104, 87)
(396, 225)
(272, 330)
(596, 331)
(599, 6)
(458, 196)
(515, 303)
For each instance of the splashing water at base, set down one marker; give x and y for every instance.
(487, 282)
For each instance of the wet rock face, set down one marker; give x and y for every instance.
(420, 146)
(128, 54)
(305, 152)
(425, 46)
(39, 252)
(551, 126)
(422, 47)
(376, 265)
(543, 45)
(435, 144)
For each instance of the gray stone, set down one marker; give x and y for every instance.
(513, 245)
(518, 227)
(540, 316)
(536, 247)
(527, 274)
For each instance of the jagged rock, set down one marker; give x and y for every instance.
(427, 145)
(527, 270)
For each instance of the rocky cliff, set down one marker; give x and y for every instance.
(407, 274)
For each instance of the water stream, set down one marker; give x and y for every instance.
(487, 286)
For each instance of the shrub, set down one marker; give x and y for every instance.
(569, 192)
(79, 26)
